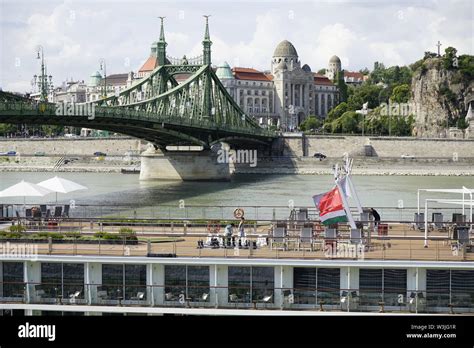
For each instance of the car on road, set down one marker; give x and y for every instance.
(8, 153)
(320, 156)
(40, 153)
(408, 156)
(99, 154)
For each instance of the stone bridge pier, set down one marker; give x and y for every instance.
(183, 165)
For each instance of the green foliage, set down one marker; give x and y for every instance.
(6, 128)
(17, 229)
(52, 235)
(311, 123)
(337, 112)
(322, 71)
(401, 94)
(447, 93)
(52, 130)
(341, 85)
(127, 233)
(461, 123)
(350, 122)
(449, 58)
(355, 102)
(466, 67)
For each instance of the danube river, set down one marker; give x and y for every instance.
(180, 199)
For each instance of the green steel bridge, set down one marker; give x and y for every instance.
(199, 111)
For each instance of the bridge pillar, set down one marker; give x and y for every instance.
(183, 165)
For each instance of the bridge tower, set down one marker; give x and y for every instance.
(161, 47)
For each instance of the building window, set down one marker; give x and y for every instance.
(189, 283)
(248, 284)
(13, 279)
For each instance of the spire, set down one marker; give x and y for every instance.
(206, 43)
(162, 30)
(161, 45)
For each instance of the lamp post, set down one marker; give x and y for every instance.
(43, 81)
(103, 67)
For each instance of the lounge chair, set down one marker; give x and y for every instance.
(58, 212)
(278, 237)
(66, 211)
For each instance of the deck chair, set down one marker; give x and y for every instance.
(58, 212)
(419, 221)
(438, 221)
(66, 211)
(356, 236)
(279, 237)
(306, 236)
(140, 296)
(102, 295)
(233, 298)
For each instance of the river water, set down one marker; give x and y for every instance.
(164, 199)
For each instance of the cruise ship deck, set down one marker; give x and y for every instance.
(166, 270)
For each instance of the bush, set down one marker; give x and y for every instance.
(17, 229)
(106, 235)
(45, 235)
(72, 235)
(128, 233)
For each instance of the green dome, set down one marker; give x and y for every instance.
(95, 79)
(224, 72)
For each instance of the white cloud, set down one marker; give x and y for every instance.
(76, 35)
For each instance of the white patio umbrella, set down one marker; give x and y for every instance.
(61, 185)
(25, 189)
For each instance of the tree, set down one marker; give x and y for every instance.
(364, 71)
(6, 128)
(401, 94)
(341, 85)
(311, 123)
(350, 122)
(322, 71)
(449, 59)
(337, 112)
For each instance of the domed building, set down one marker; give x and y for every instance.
(284, 96)
(333, 68)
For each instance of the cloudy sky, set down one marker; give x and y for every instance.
(76, 34)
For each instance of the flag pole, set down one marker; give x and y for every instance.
(351, 184)
(347, 208)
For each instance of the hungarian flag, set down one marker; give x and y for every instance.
(330, 206)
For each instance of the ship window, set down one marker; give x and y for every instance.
(437, 288)
(124, 281)
(312, 285)
(12, 279)
(187, 283)
(61, 280)
(247, 284)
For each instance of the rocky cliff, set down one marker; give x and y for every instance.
(439, 97)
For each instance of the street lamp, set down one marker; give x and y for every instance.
(103, 67)
(41, 81)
